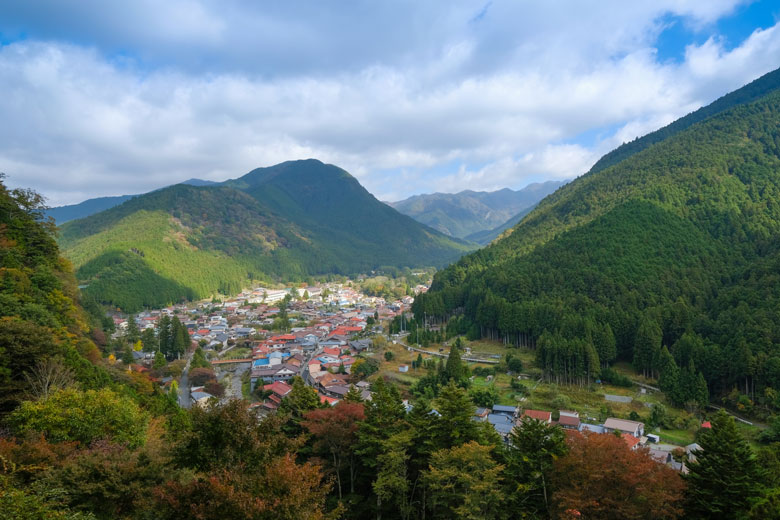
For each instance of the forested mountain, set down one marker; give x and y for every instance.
(288, 221)
(677, 245)
(472, 212)
(487, 236)
(62, 214)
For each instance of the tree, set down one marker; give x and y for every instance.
(335, 433)
(82, 416)
(159, 361)
(533, 448)
(301, 399)
(133, 334)
(724, 480)
(230, 436)
(601, 477)
(149, 340)
(392, 486)
(199, 359)
(646, 346)
(389, 355)
(455, 369)
(465, 482)
(48, 376)
(454, 425)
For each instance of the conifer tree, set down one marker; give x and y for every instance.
(725, 479)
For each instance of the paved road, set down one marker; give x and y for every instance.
(184, 384)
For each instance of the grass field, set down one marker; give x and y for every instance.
(589, 401)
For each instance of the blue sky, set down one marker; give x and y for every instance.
(107, 97)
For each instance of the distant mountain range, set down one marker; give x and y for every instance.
(289, 221)
(477, 216)
(62, 214)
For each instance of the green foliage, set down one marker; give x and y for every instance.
(82, 416)
(533, 448)
(725, 480)
(199, 359)
(389, 355)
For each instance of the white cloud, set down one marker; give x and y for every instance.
(396, 98)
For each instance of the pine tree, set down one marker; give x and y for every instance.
(725, 479)
(133, 334)
(648, 342)
(454, 367)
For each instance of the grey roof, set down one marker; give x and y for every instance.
(197, 396)
(595, 428)
(501, 422)
(498, 408)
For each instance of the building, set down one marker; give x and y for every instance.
(637, 429)
(569, 420)
(539, 415)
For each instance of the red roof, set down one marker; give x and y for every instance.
(332, 351)
(284, 337)
(706, 424)
(330, 400)
(630, 440)
(279, 388)
(203, 332)
(539, 415)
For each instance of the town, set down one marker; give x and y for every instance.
(258, 341)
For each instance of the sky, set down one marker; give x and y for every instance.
(108, 97)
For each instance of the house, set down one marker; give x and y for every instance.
(569, 420)
(403, 368)
(504, 410)
(637, 429)
(539, 415)
(502, 422)
(201, 398)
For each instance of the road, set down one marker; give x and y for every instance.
(184, 384)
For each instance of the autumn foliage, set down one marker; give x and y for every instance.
(601, 477)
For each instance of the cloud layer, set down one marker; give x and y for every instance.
(408, 97)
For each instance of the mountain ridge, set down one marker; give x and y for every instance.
(471, 212)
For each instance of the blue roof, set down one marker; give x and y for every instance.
(260, 362)
(502, 408)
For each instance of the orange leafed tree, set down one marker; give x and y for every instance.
(601, 477)
(335, 432)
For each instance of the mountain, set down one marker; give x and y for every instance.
(62, 214)
(288, 221)
(469, 212)
(487, 236)
(676, 244)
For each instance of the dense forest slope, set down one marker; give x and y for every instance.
(289, 221)
(676, 245)
(38, 302)
(474, 213)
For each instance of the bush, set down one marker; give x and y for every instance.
(612, 377)
(485, 397)
(389, 356)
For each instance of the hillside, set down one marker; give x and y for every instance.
(41, 319)
(290, 221)
(62, 214)
(474, 212)
(681, 237)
